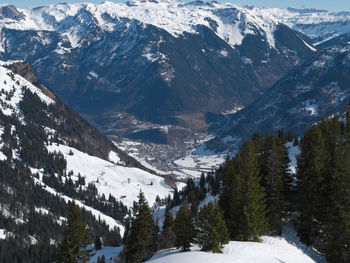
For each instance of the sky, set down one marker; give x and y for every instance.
(335, 5)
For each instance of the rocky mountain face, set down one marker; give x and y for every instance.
(163, 62)
(317, 87)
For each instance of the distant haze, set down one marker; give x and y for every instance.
(338, 5)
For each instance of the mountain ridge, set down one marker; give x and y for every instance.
(163, 62)
(315, 88)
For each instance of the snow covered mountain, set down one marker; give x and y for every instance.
(317, 87)
(162, 61)
(49, 155)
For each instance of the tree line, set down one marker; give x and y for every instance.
(257, 193)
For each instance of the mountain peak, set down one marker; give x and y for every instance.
(10, 12)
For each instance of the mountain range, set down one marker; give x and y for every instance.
(316, 88)
(166, 62)
(155, 71)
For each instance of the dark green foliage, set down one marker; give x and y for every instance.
(311, 166)
(276, 180)
(101, 260)
(242, 199)
(184, 228)
(98, 243)
(72, 128)
(73, 247)
(254, 207)
(141, 244)
(324, 188)
(22, 196)
(212, 232)
(231, 197)
(168, 233)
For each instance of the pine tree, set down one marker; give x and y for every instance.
(212, 232)
(276, 182)
(324, 188)
(73, 248)
(168, 234)
(254, 207)
(312, 161)
(337, 220)
(242, 199)
(141, 243)
(98, 243)
(101, 259)
(231, 198)
(184, 228)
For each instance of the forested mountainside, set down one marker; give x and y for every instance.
(315, 88)
(49, 156)
(71, 128)
(121, 57)
(274, 183)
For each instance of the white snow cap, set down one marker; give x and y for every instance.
(232, 22)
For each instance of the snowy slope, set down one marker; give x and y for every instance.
(13, 85)
(231, 22)
(287, 249)
(110, 254)
(110, 178)
(97, 214)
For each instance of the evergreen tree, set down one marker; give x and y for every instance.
(254, 207)
(101, 259)
(98, 243)
(337, 219)
(73, 248)
(231, 198)
(184, 228)
(242, 199)
(324, 188)
(312, 161)
(276, 182)
(168, 234)
(212, 232)
(141, 244)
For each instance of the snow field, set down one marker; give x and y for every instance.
(124, 183)
(14, 85)
(110, 254)
(287, 249)
(109, 220)
(234, 22)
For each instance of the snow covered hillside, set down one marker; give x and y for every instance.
(122, 182)
(110, 176)
(12, 85)
(287, 249)
(50, 156)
